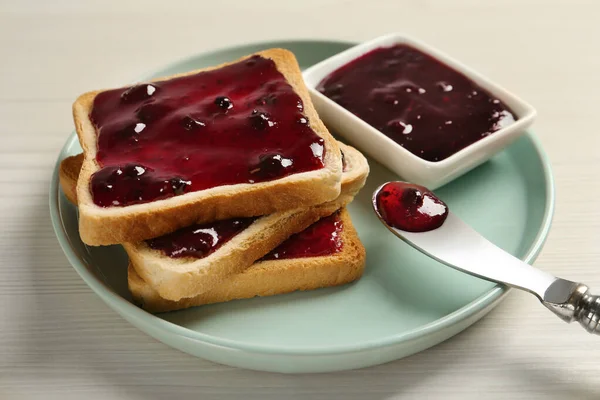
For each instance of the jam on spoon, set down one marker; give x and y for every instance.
(410, 207)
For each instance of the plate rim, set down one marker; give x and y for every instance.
(123, 306)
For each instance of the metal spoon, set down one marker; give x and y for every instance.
(459, 246)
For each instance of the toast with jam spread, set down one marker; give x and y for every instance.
(202, 257)
(238, 140)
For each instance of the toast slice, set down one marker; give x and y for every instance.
(68, 173)
(176, 278)
(268, 277)
(105, 225)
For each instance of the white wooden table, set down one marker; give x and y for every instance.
(59, 340)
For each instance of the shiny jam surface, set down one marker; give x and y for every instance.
(199, 240)
(410, 208)
(322, 238)
(242, 123)
(422, 104)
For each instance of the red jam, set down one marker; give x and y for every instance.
(410, 208)
(199, 241)
(322, 238)
(422, 104)
(242, 123)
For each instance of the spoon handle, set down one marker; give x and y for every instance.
(572, 301)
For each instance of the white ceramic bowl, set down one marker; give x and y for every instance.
(409, 166)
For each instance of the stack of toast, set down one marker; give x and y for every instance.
(220, 184)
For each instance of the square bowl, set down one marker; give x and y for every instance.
(409, 166)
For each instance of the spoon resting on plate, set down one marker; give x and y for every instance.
(417, 216)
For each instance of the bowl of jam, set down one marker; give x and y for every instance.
(424, 115)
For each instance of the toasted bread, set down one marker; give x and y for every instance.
(68, 173)
(176, 278)
(267, 278)
(132, 223)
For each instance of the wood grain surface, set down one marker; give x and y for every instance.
(59, 340)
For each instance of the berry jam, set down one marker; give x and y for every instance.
(322, 238)
(410, 208)
(422, 104)
(241, 123)
(199, 240)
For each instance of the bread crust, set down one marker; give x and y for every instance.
(175, 279)
(267, 278)
(113, 225)
(68, 173)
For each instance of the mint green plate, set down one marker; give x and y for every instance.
(405, 302)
